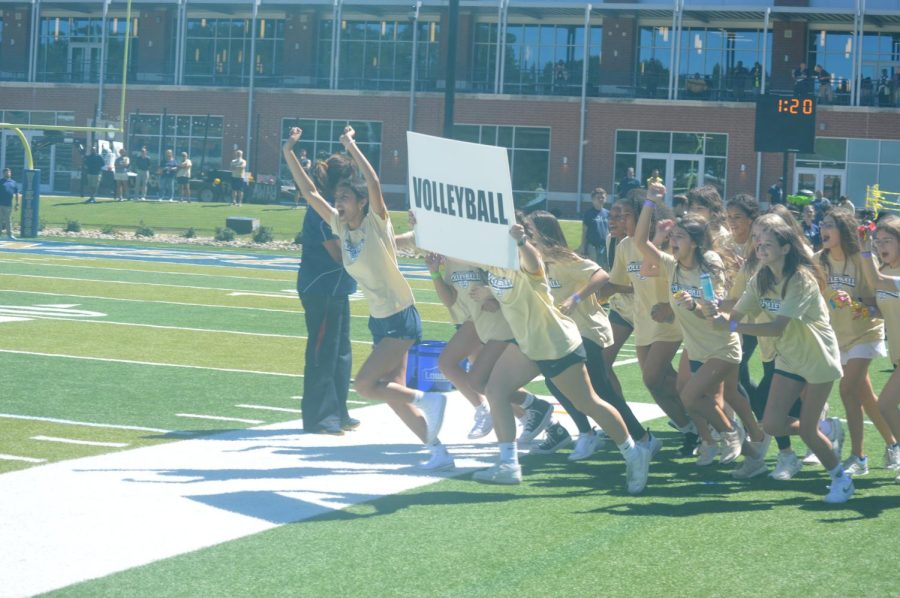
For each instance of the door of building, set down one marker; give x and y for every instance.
(679, 172)
(830, 181)
(84, 62)
(12, 155)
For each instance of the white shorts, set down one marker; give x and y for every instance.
(864, 351)
(121, 177)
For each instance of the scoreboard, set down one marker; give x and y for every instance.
(785, 124)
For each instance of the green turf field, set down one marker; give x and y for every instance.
(136, 353)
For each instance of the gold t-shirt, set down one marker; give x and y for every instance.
(648, 291)
(490, 326)
(370, 257)
(701, 340)
(541, 330)
(566, 276)
(889, 304)
(848, 276)
(807, 346)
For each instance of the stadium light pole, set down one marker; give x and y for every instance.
(254, 22)
(450, 87)
(414, 18)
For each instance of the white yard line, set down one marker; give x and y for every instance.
(136, 362)
(84, 442)
(130, 508)
(270, 408)
(45, 263)
(220, 418)
(69, 422)
(18, 458)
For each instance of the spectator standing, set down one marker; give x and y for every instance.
(9, 193)
(121, 166)
(628, 182)
(167, 177)
(803, 81)
(654, 178)
(739, 80)
(826, 93)
(811, 227)
(142, 168)
(183, 177)
(776, 192)
(238, 178)
(595, 230)
(821, 204)
(93, 170)
(845, 204)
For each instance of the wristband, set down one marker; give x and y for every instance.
(649, 203)
(732, 325)
(436, 275)
(865, 253)
(576, 298)
(521, 242)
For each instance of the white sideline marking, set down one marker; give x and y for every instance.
(49, 263)
(84, 442)
(136, 362)
(18, 458)
(4, 319)
(70, 422)
(358, 403)
(130, 508)
(127, 282)
(269, 408)
(220, 418)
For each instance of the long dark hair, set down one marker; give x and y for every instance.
(697, 229)
(634, 201)
(846, 224)
(550, 234)
(708, 197)
(797, 260)
(327, 174)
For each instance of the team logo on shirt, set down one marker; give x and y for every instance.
(499, 284)
(463, 278)
(635, 268)
(554, 284)
(352, 250)
(692, 291)
(836, 281)
(770, 305)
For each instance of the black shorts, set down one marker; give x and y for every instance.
(615, 318)
(796, 377)
(405, 324)
(551, 368)
(695, 365)
(182, 180)
(238, 184)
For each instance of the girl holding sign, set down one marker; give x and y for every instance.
(696, 276)
(360, 220)
(550, 344)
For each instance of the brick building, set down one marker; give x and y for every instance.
(577, 93)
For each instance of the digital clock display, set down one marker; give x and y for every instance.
(785, 124)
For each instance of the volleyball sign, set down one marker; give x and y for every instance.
(461, 194)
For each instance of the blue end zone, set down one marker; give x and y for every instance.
(175, 256)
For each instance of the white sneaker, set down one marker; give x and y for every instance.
(840, 490)
(501, 473)
(440, 460)
(750, 468)
(653, 444)
(757, 449)
(585, 446)
(786, 467)
(731, 444)
(432, 406)
(854, 466)
(637, 469)
(892, 457)
(837, 436)
(707, 453)
(810, 458)
(483, 423)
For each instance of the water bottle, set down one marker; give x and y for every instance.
(706, 287)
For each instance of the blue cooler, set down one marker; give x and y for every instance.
(422, 370)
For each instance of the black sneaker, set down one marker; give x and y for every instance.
(557, 437)
(537, 418)
(349, 423)
(329, 425)
(689, 445)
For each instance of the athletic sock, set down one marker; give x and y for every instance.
(529, 399)
(837, 472)
(419, 396)
(508, 452)
(628, 448)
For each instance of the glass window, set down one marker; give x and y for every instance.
(217, 51)
(320, 140)
(654, 142)
(69, 49)
(862, 150)
(181, 133)
(687, 143)
(890, 154)
(626, 141)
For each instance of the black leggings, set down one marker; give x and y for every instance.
(748, 345)
(596, 368)
(759, 399)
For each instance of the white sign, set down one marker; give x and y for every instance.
(461, 194)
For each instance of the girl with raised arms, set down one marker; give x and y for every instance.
(361, 221)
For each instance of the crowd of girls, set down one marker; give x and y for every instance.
(718, 283)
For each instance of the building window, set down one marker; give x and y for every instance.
(378, 54)
(217, 51)
(528, 149)
(540, 59)
(320, 140)
(715, 63)
(198, 135)
(684, 160)
(70, 49)
(51, 153)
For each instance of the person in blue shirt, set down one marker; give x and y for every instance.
(595, 230)
(628, 182)
(811, 227)
(9, 191)
(324, 288)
